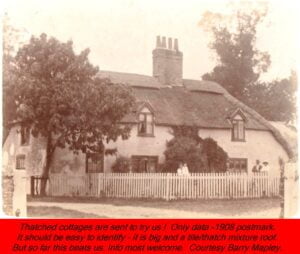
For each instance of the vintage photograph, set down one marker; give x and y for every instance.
(149, 109)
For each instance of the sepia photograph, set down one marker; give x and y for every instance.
(149, 109)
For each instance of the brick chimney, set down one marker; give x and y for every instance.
(167, 62)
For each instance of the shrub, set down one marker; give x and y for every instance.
(182, 149)
(121, 165)
(213, 156)
(202, 155)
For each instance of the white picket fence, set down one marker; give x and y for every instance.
(165, 185)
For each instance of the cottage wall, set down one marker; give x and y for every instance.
(135, 145)
(259, 145)
(68, 162)
(34, 152)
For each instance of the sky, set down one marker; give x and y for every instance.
(122, 33)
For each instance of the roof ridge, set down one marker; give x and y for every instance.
(128, 73)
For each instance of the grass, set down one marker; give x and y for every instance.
(57, 212)
(228, 207)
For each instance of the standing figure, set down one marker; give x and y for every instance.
(179, 170)
(257, 167)
(266, 167)
(185, 170)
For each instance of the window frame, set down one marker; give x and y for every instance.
(235, 128)
(101, 162)
(145, 114)
(235, 160)
(147, 157)
(25, 136)
(20, 162)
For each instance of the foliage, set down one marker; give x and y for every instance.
(182, 149)
(214, 157)
(186, 131)
(60, 97)
(11, 40)
(276, 101)
(121, 165)
(240, 63)
(201, 155)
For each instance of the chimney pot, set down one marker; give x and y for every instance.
(164, 43)
(176, 44)
(158, 42)
(170, 44)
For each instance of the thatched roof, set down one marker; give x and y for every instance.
(204, 104)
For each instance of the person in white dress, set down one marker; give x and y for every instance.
(265, 167)
(185, 170)
(179, 170)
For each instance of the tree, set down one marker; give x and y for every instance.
(11, 40)
(276, 100)
(62, 100)
(240, 63)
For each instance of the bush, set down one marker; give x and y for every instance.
(182, 149)
(121, 165)
(213, 156)
(200, 155)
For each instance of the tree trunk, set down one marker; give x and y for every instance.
(46, 168)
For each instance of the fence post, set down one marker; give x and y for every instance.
(168, 187)
(32, 186)
(245, 182)
(290, 190)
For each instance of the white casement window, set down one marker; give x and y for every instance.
(238, 128)
(20, 161)
(238, 165)
(145, 123)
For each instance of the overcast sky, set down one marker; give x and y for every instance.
(121, 33)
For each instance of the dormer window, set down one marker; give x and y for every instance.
(238, 126)
(145, 122)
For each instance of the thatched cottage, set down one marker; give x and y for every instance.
(164, 99)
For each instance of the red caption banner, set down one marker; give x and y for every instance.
(150, 236)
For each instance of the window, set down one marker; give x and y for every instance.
(238, 165)
(238, 128)
(144, 164)
(20, 161)
(25, 136)
(94, 163)
(145, 123)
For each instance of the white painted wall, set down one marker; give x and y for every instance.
(135, 145)
(34, 152)
(69, 163)
(259, 145)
